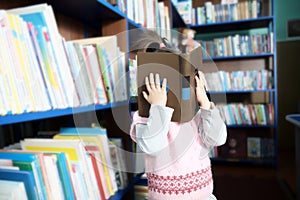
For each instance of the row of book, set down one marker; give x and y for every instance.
(238, 45)
(247, 114)
(248, 80)
(42, 71)
(227, 12)
(77, 163)
(150, 14)
(240, 147)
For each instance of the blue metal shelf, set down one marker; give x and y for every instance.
(236, 25)
(241, 91)
(251, 126)
(261, 55)
(10, 119)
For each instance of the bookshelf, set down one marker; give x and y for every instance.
(216, 38)
(78, 20)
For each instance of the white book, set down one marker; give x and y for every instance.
(12, 190)
(38, 88)
(76, 73)
(98, 85)
(53, 176)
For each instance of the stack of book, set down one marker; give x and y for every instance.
(77, 163)
(41, 71)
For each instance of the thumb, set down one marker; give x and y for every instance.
(145, 95)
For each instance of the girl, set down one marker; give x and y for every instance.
(176, 154)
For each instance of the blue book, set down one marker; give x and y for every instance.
(23, 176)
(82, 131)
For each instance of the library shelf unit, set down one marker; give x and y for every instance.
(78, 20)
(263, 23)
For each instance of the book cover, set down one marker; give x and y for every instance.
(253, 147)
(26, 177)
(12, 190)
(179, 71)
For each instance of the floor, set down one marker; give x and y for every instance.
(286, 170)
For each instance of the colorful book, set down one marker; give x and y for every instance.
(84, 187)
(29, 162)
(97, 137)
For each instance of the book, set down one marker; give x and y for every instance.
(84, 187)
(179, 69)
(112, 64)
(64, 170)
(55, 182)
(26, 177)
(95, 156)
(42, 15)
(97, 137)
(12, 190)
(253, 147)
(117, 149)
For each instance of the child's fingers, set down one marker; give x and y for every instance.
(145, 95)
(151, 79)
(157, 81)
(164, 84)
(147, 83)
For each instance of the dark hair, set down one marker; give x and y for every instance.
(148, 40)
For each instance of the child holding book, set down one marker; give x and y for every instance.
(176, 153)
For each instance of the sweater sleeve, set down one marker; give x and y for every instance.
(211, 126)
(151, 133)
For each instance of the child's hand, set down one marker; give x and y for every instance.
(157, 94)
(202, 97)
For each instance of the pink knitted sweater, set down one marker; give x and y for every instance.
(176, 154)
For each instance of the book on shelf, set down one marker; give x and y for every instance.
(212, 12)
(247, 114)
(112, 64)
(253, 147)
(64, 169)
(83, 179)
(98, 138)
(53, 176)
(61, 80)
(95, 156)
(23, 176)
(12, 190)
(28, 162)
(118, 160)
(259, 147)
